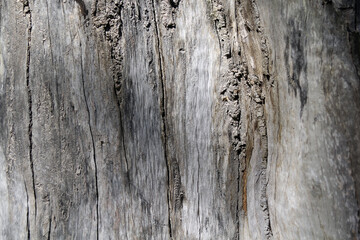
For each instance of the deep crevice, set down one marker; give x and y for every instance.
(163, 116)
(49, 231)
(93, 146)
(82, 6)
(174, 3)
(94, 11)
(198, 187)
(27, 11)
(27, 213)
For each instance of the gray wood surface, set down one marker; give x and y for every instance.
(179, 119)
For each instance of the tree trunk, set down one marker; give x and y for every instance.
(179, 119)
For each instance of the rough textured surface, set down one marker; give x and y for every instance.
(314, 146)
(179, 119)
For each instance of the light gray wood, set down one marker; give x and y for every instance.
(179, 119)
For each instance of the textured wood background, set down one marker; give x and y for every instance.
(179, 119)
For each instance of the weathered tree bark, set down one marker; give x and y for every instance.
(179, 119)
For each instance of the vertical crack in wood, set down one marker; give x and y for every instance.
(27, 12)
(49, 231)
(93, 146)
(27, 213)
(95, 8)
(163, 117)
(82, 6)
(198, 187)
